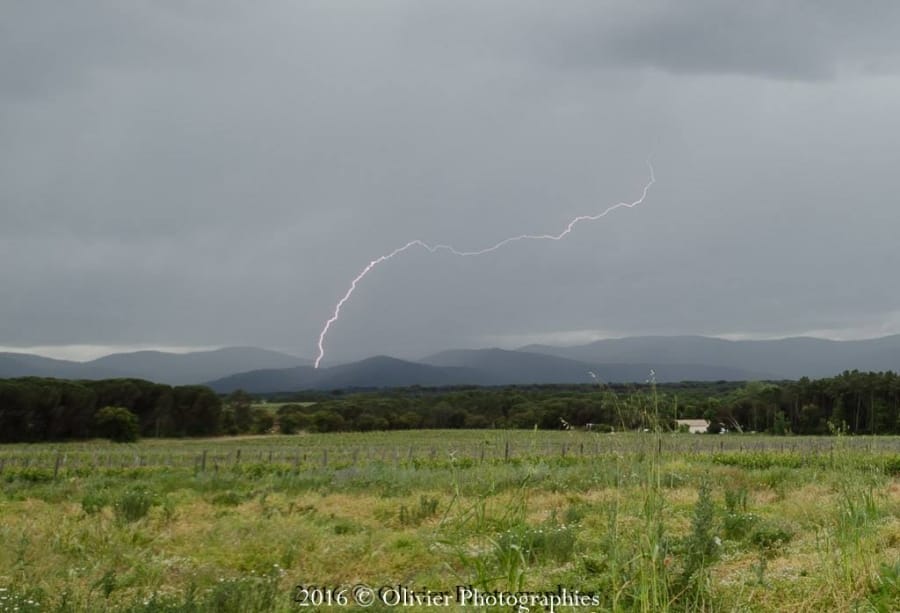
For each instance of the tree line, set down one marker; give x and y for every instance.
(853, 402)
(35, 409)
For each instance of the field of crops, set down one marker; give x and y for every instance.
(631, 522)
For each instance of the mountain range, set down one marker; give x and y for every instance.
(671, 358)
(159, 366)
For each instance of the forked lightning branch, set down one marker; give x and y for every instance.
(453, 250)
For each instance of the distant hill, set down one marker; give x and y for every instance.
(672, 358)
(162, 367)
(464, 367)
(194, 367)
(789, 358)
(28, 365)
(375, 372)
(267, 380)
(524, 367)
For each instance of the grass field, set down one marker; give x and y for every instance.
(648, 522)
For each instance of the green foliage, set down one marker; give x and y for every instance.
(229, 498)
(737, 522)
(94, 500)
(780, 425)
(701, 547)
(426, 509)
(884, 589)
(34, 409)
(239, 404)
(550, 541)
(22, 601)
(769, 537)
(118, 424)
(242, 594)
(134, 503)
(291, 419)
(263, 422)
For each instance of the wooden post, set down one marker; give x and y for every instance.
(203, 462)
(325, 457)
(237, 457)
(506, 452)
(56, 466)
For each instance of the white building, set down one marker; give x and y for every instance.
(694, 426)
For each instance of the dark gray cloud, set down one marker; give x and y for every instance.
(786, 40)
(212, 173)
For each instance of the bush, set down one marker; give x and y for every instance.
(134, 504)
(263, 421)
(117, 424)
(94, 501)
(291, 419)
(769, 538)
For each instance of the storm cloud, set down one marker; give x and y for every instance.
(215, 173)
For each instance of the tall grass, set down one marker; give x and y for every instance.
(649, 522)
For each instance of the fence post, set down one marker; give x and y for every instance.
(56, 465)
(203, 462)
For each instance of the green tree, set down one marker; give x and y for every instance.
(117, 424)
(240, 403)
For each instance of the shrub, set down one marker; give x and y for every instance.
(770, 538)
(289, 423)
(701, 545)
(134, 504)
(117, 424)
(263, 421)
(94, 501)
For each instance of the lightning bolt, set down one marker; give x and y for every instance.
(435, 248)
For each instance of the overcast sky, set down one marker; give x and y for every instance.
(210, 173)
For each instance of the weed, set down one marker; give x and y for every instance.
(134, 504)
